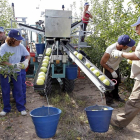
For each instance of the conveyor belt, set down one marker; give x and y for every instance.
(81, 63)
(75, 23)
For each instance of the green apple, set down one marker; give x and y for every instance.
(75, 52)
(48, 50)
(87, 64)
(41, 77)
(40, 82)
(44, 69)
(129, 61)
(105, 108)
(96, 72)
(45, 61)
(22, 66)
(47, 57)
(41, 73)
(102, 77)
(48, 53)
(44, 64)
(106, 82)
(92, 68)
(80, 56)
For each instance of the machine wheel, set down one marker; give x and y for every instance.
(48, 88)
(68, 85)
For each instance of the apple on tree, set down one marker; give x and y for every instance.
(75, 52)
(80, 56)
(96, 72)
(102, 77)
(92, 68)
(87, 64)
(44, 69)
(106, 82)
(40, 82)
(129, 61)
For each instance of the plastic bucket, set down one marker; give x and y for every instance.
(71, 72)
(40, 48)
(45, 125)
(98, 118)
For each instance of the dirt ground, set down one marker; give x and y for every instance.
(73, 124)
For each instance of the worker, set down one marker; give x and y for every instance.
(132, 106)
(85, 19)
(2, 36)
(111, 66)
(14, 46)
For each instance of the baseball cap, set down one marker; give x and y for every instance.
(137, 23)
(15, 34)
(86, 4)
(126, 41)
(1, 29)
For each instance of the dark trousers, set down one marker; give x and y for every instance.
(17, 93)
(83, 27)
(114, 93)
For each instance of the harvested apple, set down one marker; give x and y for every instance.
(41, 73)
(41, 77)
(106, 82)
(47, 57)
(45, 61)
(96, 72)
(43, 69)
(87, 64)
(105, 108)
(80, 56)
(102, 77)
(92, 68)
(48, 50)
(75, 52)
(48, 53)
(40, 82)
(44, 64)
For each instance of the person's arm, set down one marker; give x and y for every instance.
(103, 61)
(28, 57)
(131, 56)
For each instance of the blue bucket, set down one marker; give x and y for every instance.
(71, 72)
(98, 118)
(40, 48)
(45, 125)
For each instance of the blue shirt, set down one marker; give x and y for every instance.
(18, 51)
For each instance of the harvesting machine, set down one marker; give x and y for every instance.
(63, 63)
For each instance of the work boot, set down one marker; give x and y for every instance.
(23, 113)
(111, 105)
(114, 124)
(120, 100)
(3, 113)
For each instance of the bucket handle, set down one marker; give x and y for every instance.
(28, 83)
(115, 81)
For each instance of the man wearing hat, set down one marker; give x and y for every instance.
(2, 36)
(13, 45)
(132, 106)
(111, 66)
(85, 18)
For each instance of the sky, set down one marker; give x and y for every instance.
(28, 8)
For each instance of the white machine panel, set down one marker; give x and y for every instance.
(58, 23)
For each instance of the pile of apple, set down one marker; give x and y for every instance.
(97, 73)
(43, 69)
(79, 55)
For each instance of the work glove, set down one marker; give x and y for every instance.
(114, 74)
(17, 65)
(116, 54)
(24, 64)
(129, 61)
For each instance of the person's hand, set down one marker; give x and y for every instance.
(114, 74)
(116, 54)
(129, 61)
(25, 63)
(17, 65)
